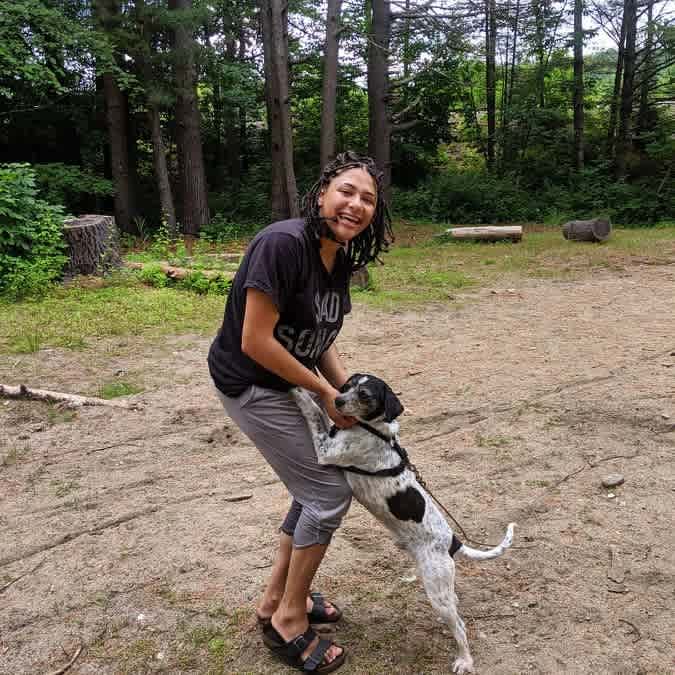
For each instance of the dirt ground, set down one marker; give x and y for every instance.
(145, 537)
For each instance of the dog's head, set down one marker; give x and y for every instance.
(368, 398)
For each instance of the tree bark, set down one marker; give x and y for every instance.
(597, 229)
(192, 177)
(616, 93)
(644, 122)
(330, 76)
(117, 122)
(93, 245)
(275, 43)
(578, 86)
(379, 125)
(486, 233)
(491, 79)
(623, 141)
(162, 171)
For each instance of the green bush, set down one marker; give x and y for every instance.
(153, 275)
(70, 185)
(31, 235)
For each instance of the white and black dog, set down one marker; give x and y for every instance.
(382, 479)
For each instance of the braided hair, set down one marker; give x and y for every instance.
(376, 238)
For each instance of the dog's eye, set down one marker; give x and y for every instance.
(363, 395)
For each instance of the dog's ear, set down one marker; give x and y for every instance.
(353, 379)
(392, 406)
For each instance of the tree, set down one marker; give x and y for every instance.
(274, 15)
(578, 86)
(379, 125)
(330, 77)
(491, 78)
(624, 141)
(192, 177)
(117, 119)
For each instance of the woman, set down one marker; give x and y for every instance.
(283, 313)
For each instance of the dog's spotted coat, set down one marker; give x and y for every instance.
(399, 502)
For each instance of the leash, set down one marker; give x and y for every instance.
(404, 464)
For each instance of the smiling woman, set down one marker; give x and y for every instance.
(283, 314)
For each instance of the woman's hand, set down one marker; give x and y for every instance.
(328, 396)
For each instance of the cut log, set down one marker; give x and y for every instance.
(180, 272)
(597, 229)
(486, 233)
(361, 278)
(93, 245)
(68, 400)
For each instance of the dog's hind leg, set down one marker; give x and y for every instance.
(437, 570)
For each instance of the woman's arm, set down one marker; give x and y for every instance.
(331, 367)
(258, 343)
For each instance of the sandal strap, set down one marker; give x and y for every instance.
(300, 643)
(315, 659)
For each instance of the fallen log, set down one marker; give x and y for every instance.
(180, 272)
(597, 229)
(68, 400)
(485, 233)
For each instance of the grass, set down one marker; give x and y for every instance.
(420, 269)
(118, 388)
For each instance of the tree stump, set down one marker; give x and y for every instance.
(93, 245)
(361, 278)
(597, 229)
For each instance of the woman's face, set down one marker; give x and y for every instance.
(348, 202)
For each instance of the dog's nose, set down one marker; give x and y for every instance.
(339, 403)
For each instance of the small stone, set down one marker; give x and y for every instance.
(665, 416)
(516, 605)
(610, 495)
(482, 635)
(532, 603)
(612, 480)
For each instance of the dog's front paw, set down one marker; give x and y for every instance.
(462, 666)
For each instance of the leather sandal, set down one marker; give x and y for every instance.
(291, 652)
(318, 613)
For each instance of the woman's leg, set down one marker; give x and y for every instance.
(274, 423)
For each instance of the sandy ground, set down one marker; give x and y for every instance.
(145, 537)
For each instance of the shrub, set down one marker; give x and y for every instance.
(70, 185)
(153, 275)
(31, 235)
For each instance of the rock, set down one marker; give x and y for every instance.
(612, 480)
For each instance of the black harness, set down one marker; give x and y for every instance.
(394, 470)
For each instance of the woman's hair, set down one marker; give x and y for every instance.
(376, 238)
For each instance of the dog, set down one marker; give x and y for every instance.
(384, 482)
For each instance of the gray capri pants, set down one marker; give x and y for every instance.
(275, 425)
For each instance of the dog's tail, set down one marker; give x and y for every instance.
(477, 554)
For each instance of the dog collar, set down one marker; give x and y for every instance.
(392, 471)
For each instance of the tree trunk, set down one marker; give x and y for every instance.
(644, 121)
(623, 141)
(597, 229)
(614, 104)
(192, 177)
(491, 78)
(162, 171)
(93, 245)
(117, 122)
(275, 43)
(486, 233)
(379, 125)
(578, 86)
(330, 76)
(539, 48)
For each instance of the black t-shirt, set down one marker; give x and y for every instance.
(282, 261)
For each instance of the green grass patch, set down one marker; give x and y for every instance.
(13, 456)
(422, 268)
(70, 317)
(118, 388)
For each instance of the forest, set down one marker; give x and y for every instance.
(211, 118)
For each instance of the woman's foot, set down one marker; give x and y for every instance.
(288, 629)
(318, 608)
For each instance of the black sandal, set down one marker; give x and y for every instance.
(291, 652)
(318, 613)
